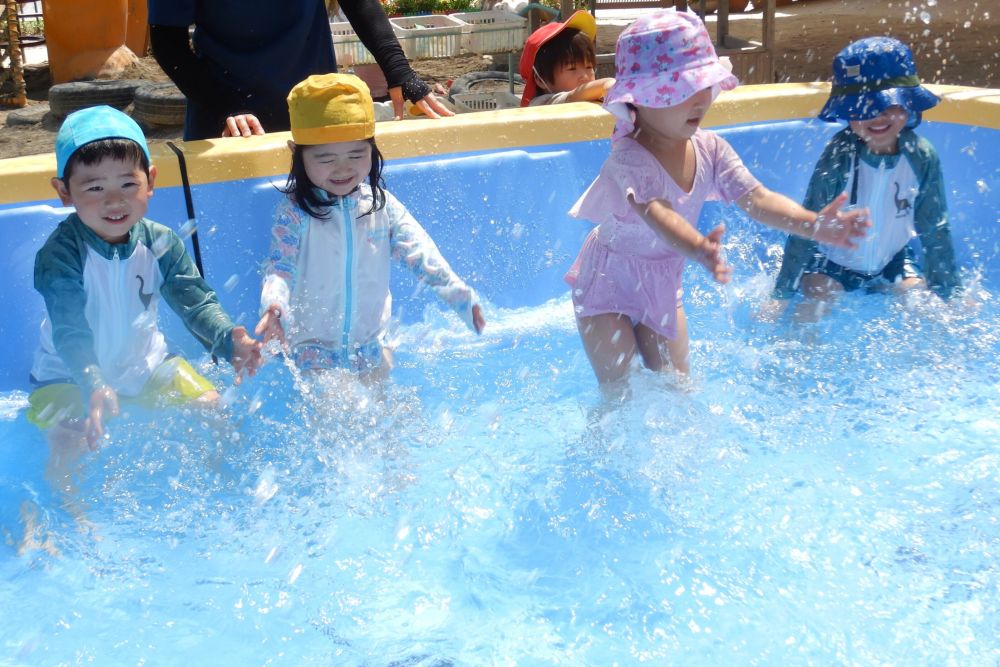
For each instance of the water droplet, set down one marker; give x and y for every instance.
(925, 17)
(232, 282)
(187, 229)
(982, 186)
(932, 3)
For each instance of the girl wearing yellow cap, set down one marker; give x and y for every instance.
(326, 278)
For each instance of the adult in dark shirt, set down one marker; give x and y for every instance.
(245, 55)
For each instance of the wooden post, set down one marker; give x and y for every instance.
(18, 97)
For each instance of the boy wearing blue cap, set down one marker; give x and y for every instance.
(886, 168)
(102, 273)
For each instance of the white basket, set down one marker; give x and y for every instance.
(500, 99)
(430, 36)
(348, 47)
(492, 31)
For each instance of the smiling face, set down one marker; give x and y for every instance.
(568, 77)
(110, 196)
(339, 167)
(881, 133)
(677, 123)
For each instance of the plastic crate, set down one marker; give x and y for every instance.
(430, 36)
(492, 31)
(500, 99)
(348, 47)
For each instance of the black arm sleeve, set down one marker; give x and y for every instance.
(172, 50)
(372, 25)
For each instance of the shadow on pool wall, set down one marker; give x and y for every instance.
(492, 191)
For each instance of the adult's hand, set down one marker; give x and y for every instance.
(242, 125)
(429, 105)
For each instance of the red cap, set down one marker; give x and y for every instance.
(581, 20)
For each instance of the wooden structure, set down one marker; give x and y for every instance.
(753, 60)
(12, 88)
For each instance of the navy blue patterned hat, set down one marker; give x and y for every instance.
(871, 75)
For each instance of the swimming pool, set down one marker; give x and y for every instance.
(831, 501)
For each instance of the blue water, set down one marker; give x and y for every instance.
(810, 495)
(819, 495)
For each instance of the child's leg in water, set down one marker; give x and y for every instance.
(67, 448)
(609, 340)
(821, 292)
(652, 346)
(612, 341)
(35, 537)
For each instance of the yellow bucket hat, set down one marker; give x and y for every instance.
(327, 108)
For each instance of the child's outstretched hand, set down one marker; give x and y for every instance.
(709, 255)
(246, 353)
(270, 328)
(839, 228)
(103, 405)
(478, 320)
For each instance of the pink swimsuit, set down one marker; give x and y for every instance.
(624, 267)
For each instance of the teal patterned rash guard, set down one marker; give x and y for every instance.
(905, 195)
(102, 300)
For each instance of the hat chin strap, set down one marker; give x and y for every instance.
(540, 80)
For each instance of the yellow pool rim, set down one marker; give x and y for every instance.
(26, 179)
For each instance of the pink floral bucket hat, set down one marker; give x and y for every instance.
(662, 59)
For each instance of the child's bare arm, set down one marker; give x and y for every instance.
(683, 237)
(592, 91)
(831, 225)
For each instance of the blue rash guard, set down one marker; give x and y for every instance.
(102, 300)
(905, 195)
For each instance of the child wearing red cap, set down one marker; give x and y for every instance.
(627, 278)
(558, 61)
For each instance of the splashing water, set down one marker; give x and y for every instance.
(487, 506)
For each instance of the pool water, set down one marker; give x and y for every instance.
(810, 495)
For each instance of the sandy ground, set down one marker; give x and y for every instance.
(954, 42)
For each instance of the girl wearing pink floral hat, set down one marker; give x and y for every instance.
(627, 278)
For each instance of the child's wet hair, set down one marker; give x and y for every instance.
(301, 188)
(121, 150)
(569, 47)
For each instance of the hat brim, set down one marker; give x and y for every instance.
(647, 91)
(580, 20)
(866, 106)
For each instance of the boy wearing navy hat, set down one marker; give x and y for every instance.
(102, 273)
(888, 169)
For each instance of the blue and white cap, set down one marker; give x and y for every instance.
(94, 124)
(871, 75)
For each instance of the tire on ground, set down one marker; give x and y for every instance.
(467, 83)
(29, 115)
(159, 104)
(65, 98)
